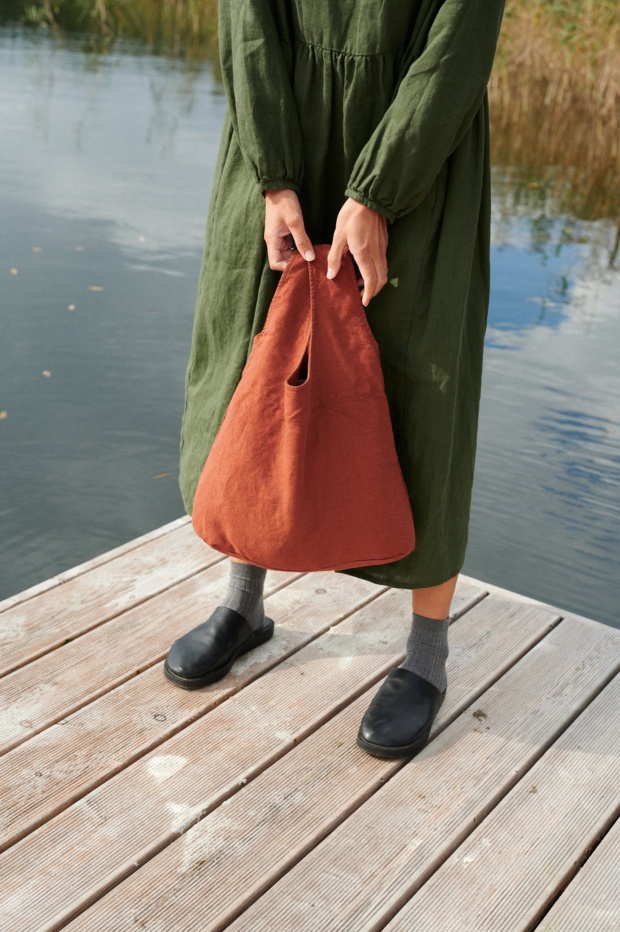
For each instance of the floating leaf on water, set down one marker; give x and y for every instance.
(95, 288)
(71, 307)
(46, 373)
(3, 415)
(13, 271)
(160, 475)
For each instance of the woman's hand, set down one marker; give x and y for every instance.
(283, 219)
(365, 232)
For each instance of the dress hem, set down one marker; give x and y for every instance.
(383, 578)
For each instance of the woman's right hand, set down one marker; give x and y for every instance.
(283, 219)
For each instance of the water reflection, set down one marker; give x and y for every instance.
(95, 142)
(107, 167)
(546, 503)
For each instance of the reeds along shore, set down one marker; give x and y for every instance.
(177, 27)
(554, 92)
(555, 100)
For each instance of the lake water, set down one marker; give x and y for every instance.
(107, 165)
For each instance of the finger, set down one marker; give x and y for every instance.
(368, 272)
(381, 270)
(379, 279)
(302, 240)
(334, 256)
(278, 252)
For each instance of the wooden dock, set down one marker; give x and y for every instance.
(128, 803)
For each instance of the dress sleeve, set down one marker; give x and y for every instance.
(434, 105)
(256, 62)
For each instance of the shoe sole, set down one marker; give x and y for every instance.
(264, 634)
(401, 750)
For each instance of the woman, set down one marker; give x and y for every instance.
(362, 123)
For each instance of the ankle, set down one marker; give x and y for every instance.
(427, 649)
(245, 592)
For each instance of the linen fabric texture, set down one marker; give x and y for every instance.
(303, 473)
(386, 103)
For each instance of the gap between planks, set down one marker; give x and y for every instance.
(122, 710)
(48, 772)
(403, 833)
(509, 869)
(52, 687)
(482, 642)
(246, 844)
(62, 614)
(523, 599)
(592, 900)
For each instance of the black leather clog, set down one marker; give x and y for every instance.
(398, 721)
(206, 653)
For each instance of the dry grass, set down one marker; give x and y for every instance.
(555, 99)
(178, 27)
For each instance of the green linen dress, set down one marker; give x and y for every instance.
(383, 101)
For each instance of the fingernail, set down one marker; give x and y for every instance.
(330, 272)
(309, 254)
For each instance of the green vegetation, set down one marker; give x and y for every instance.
(554, 92)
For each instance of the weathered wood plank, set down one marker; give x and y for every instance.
(50, 688)
(592, 901)
(49, 771)
(48, 620)
(562, 611)
(226, 860)
(88, 847)
(377, 859)
(91, 564)
(511, 866)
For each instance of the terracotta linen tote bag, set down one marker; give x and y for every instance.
(303, 473)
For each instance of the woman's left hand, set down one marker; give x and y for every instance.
(365, 232)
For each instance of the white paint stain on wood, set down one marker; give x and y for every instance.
(284, 799)
(183, 816)
(164, 766)
(207, 841)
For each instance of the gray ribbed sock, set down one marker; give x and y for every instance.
(427, 649)
(245, 592)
